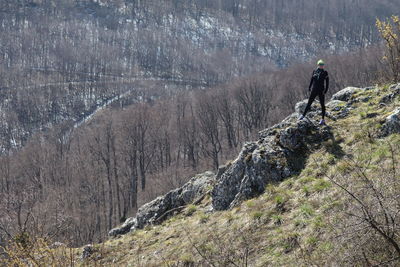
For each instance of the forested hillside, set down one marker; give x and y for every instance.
(187, 82)
(71, 56)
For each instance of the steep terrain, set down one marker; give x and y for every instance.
(292, 220)
(291, 198)
(71, 173)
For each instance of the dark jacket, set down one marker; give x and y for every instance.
(318, 78)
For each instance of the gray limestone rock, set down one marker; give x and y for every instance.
(395, 91)
(280, 153)
(235, 173)
(391, 124)
(151, 212)
(157, 210)
(124, 228)
(337, 109)
(346, 94)
(301, 106)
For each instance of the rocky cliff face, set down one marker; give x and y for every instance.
(162, 207)
(280, 152)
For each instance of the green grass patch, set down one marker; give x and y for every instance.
(306, 179)
(321, 184)
(250, 203)
(279, 199)
(257, 215)
(307, 211)
(312, 240)
(306, 190)
(190, 210)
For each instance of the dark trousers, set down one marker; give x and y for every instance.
(314, 94)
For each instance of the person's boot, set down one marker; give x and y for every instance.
(322, 122)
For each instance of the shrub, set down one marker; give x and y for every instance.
(390, 32)
(24, 250)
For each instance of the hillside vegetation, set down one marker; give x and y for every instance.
(339, 209)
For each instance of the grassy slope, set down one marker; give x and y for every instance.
(290, 224)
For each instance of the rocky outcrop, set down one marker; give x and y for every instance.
(338, 109)
(124, 228)
(346, 94)
(391, 124)
(394, 91)
(160, 208)
(280, 153)
(301, 106)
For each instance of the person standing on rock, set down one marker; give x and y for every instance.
(318, 79)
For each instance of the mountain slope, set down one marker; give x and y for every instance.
(309, 218)
(292, 221)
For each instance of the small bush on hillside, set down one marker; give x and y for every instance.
(390, 33)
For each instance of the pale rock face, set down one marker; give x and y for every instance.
(124, 228)
(346, 94)
(335, 105)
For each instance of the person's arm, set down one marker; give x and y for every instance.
(327, 83)
(311, 82)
